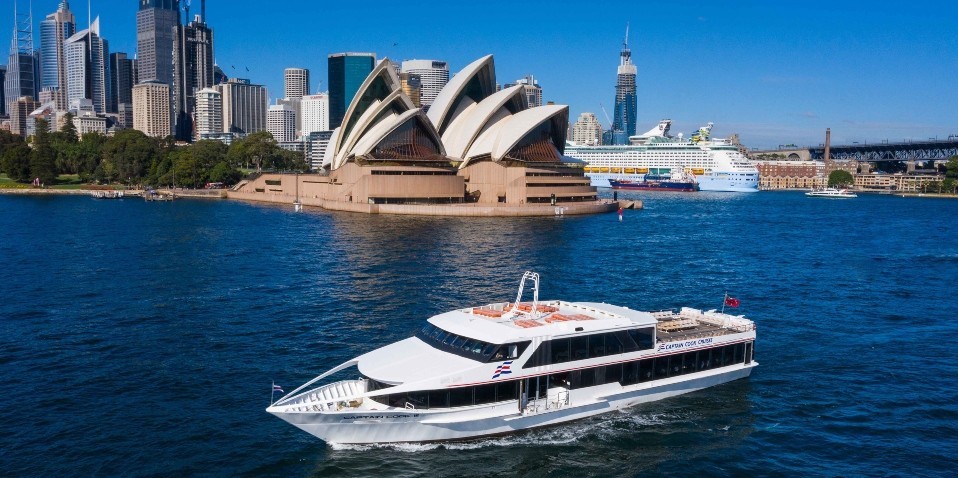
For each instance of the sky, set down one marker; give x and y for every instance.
(774, 72)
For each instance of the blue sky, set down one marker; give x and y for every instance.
(773, 72)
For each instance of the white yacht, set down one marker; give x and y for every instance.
(833, 193)
(504, 367)
(717, 164)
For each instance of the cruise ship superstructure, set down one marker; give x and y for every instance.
(503, 367)
(717, 164)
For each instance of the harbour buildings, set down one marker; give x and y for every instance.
(244, 106)
(346, 73)
(209, 113)
(412, 87)
(193, 71)
(55, 29)
(296, 82)
(281, 123)
(87, 66)
(3, 95)
(151, 108)
(122, 78)
(156, 25)
(20, 80)
(531, 88)
(624, 115)
(19, 111)
(315, 113)
(587, 130)
(433, 76)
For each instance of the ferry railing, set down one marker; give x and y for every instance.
(332, 396)
(534, 277)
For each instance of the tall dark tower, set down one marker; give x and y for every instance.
(193, 71)
(623, 124)
(346, 71)
(155, 22)
(21, 76)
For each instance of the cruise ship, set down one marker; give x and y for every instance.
(502, 367)
(717, 164)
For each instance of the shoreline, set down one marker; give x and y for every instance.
(448, 210)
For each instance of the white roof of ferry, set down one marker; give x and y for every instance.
(504, 330)
(403, 361)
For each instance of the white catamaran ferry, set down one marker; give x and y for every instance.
(716, 163)
(504, 367)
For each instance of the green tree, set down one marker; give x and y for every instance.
(8, 140)
(208, 153)
(839, 178)
(127, 156)
(88, 153)
(43, 160)
(188, 174)
(289, 161)
(257, 149)
(223, 173)
(69, 130)
(951, 168)
(16, 162)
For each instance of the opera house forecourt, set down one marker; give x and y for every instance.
(478, 152)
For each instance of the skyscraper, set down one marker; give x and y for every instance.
(21, 68)
(315, 113)
(151, 108)
(297, 82)
(122, 79)
(587, 130)
(531, 88)
(54, 31)
(209, 112)
(155, 22)
(19, 110)
(412, 87)
(623, 121)
(87, 67)
(347, 71)
(193, 68)
(3, 95)
(433, 75)
(281, 123)
(244, 106)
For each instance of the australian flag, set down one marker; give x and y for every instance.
(503, 369)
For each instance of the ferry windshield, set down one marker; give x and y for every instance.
(468, 347)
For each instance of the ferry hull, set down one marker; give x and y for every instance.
(417, 426)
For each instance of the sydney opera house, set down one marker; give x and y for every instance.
(475, 147)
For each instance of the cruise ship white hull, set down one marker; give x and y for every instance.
(400, 426)
(723, 182)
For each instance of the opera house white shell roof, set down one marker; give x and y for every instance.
(467, 121)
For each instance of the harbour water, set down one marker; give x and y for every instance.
(141, 339)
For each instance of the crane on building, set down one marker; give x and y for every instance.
(606, 113)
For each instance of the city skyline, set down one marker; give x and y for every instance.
(773, 74)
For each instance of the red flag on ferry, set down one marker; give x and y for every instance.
(731, 302)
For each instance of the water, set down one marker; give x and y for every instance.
(141, 338)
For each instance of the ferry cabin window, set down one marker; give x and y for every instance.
(373, 385)
(456, 397)
(583, 347)
(509, 351)
(628, 373)
(464, 346)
